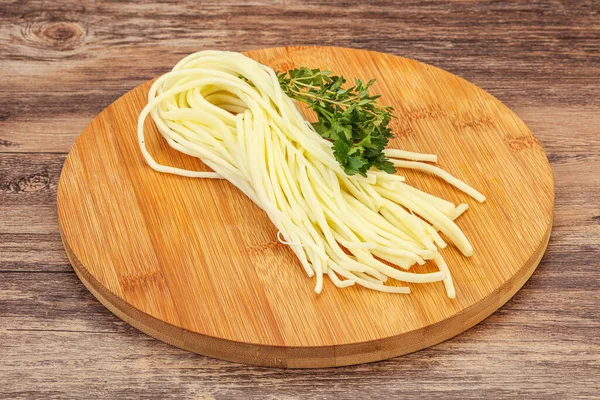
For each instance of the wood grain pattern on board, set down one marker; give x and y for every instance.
(196, 264)
(69, 60)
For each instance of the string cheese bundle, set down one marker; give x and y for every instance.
(229, 111)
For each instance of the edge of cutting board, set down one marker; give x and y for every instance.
(307, 357)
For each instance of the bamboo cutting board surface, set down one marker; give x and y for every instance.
(196, 264)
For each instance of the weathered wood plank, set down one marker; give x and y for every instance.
(28, 192)
(67, 61)
(57, 134)
(29, 236)
(49, 324)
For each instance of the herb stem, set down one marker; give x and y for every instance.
(350, 118)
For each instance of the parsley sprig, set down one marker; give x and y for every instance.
(350, 118)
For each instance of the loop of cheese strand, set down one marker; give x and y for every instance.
(229, 111)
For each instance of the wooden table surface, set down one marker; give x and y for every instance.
(62, 62)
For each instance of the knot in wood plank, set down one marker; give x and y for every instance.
(29, 183)
(53, 34)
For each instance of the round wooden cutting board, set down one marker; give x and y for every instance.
(196, 264)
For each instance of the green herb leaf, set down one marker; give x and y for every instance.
(350, 118)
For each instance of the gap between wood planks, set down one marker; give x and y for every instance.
(61, 330)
